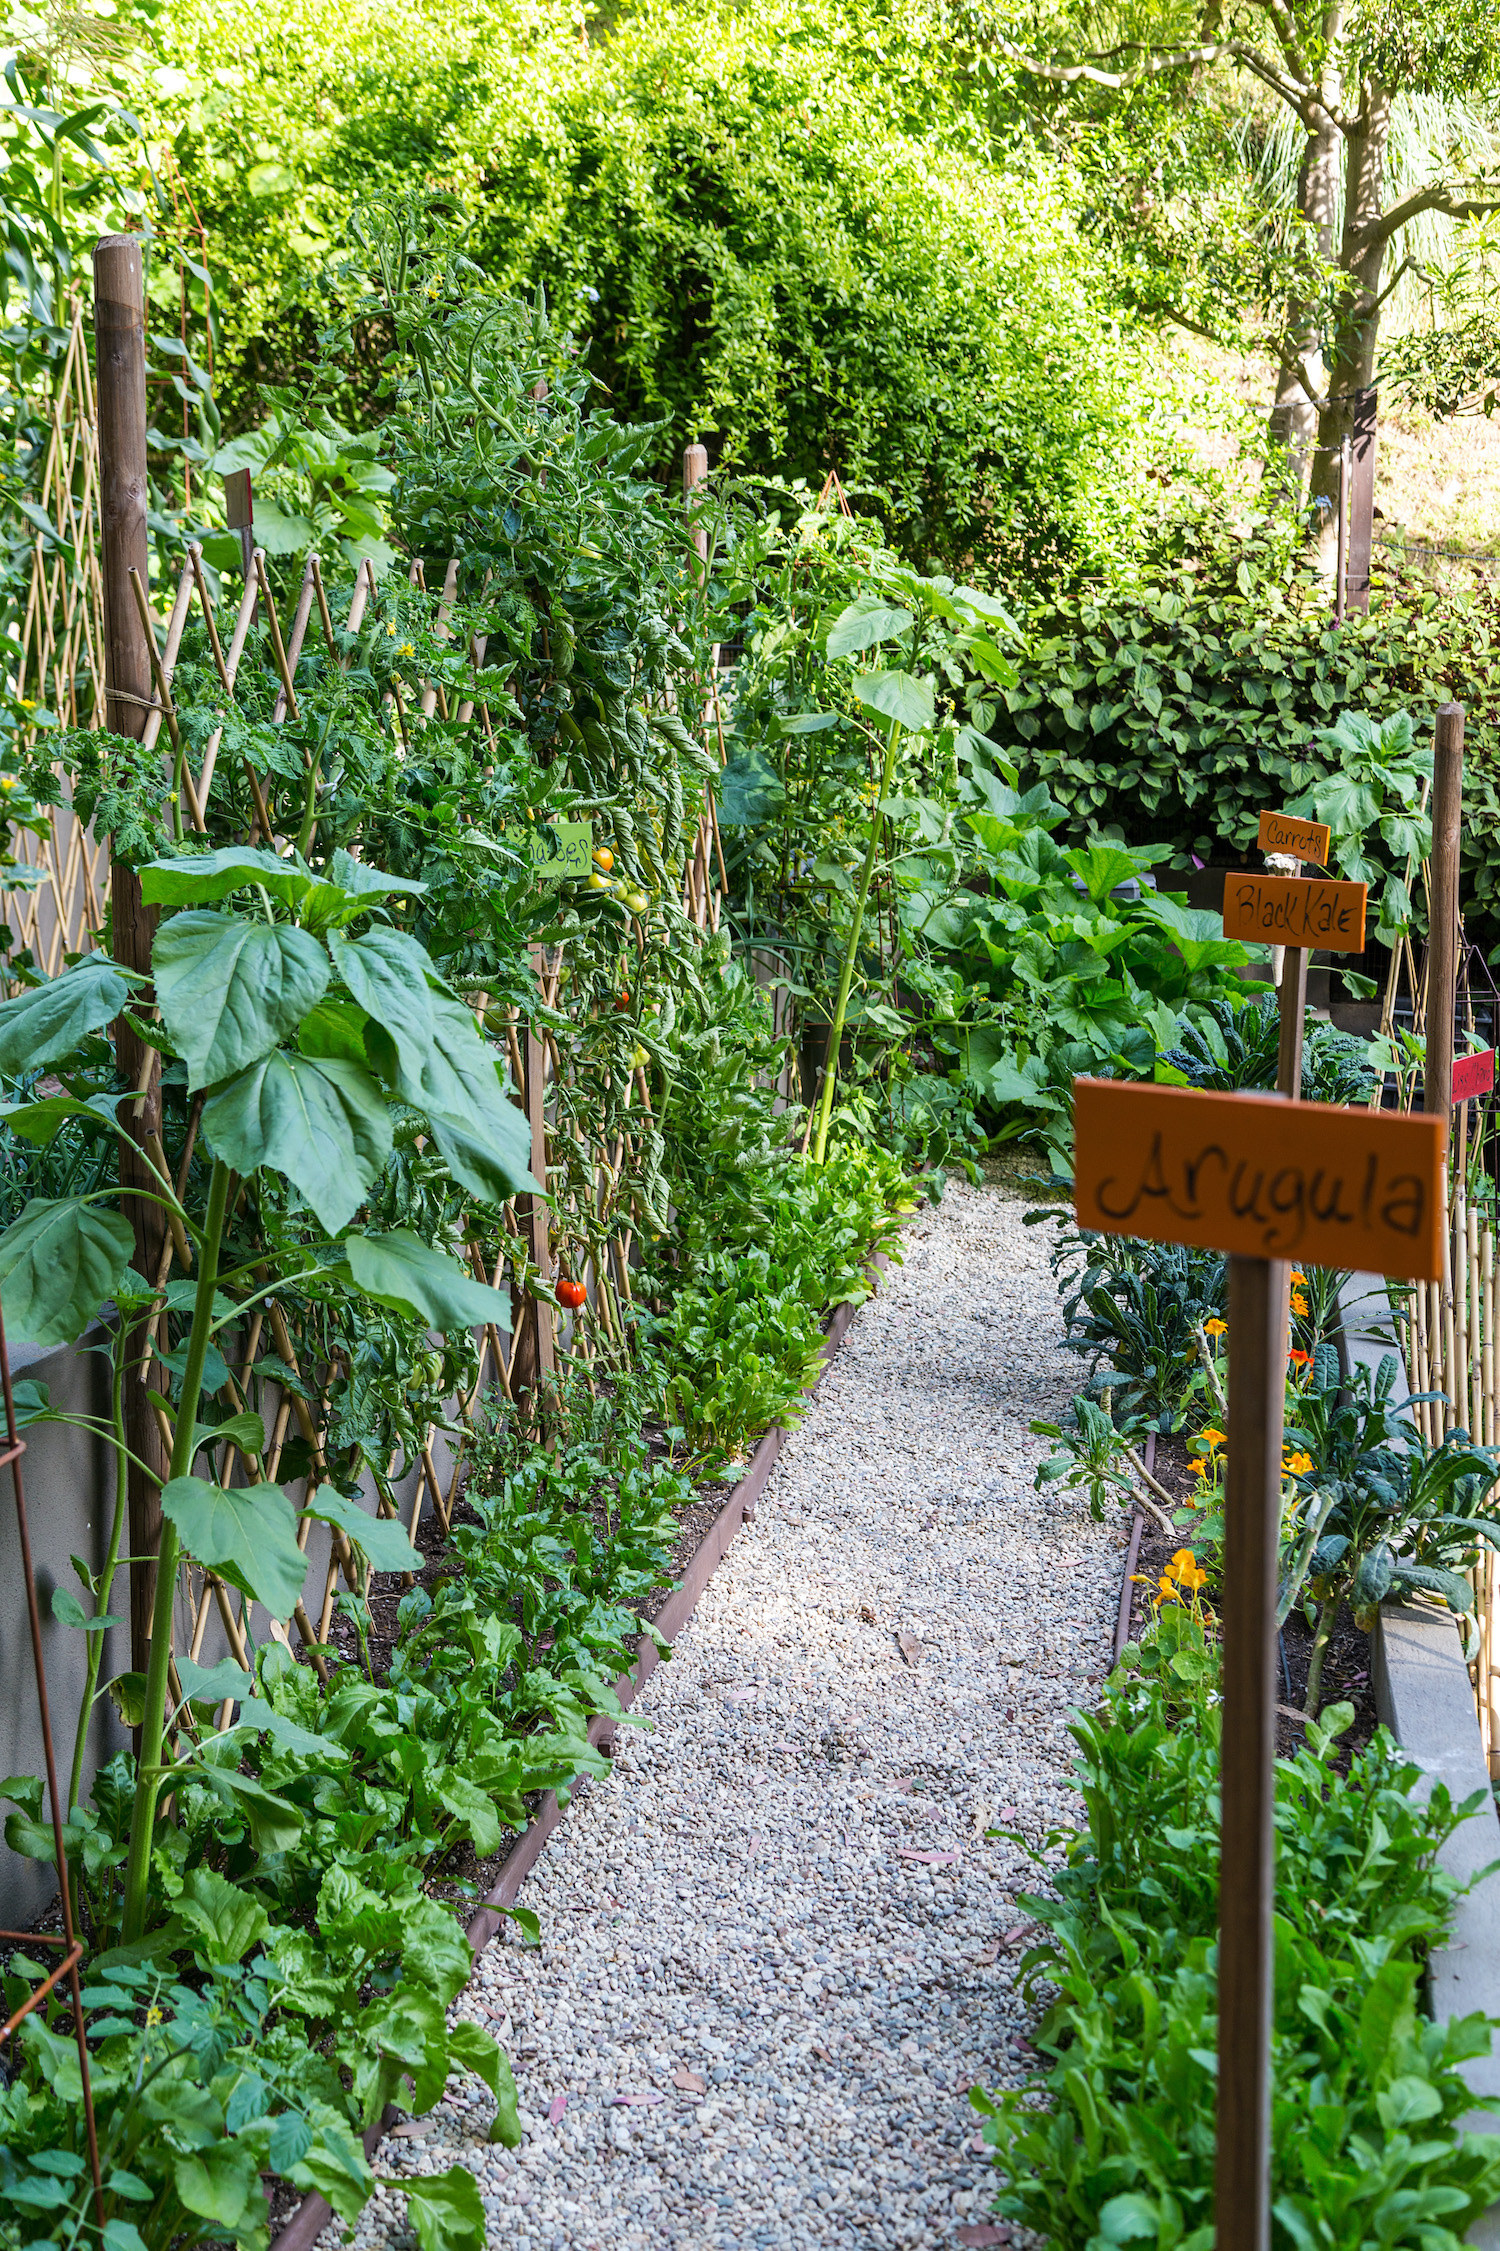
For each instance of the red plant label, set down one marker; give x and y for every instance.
(1473, 1075)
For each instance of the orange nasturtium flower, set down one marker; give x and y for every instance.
(1215, 1328)
(1214, 1439)
(1198, 1466)
(1298, 1465)
(1300, 1359)
(1186, 1570)
(1299, 1305)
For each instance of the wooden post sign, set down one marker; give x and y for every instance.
(1266, 1180)
(1292, 838)
(1296, 913)
(1295, 910)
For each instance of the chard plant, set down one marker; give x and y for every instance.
(307, 1023)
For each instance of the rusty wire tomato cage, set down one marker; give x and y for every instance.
(13, 1448)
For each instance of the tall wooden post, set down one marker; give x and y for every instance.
(119, 327)
(1291, 1003)
(1258, 1291)
(1442, 889)
(532, 1355)
(695, 473)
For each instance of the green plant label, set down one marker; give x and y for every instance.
(560, 851)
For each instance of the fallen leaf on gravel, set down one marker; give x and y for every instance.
(411, 2129)
(753, 1845)
(689, 2081)
(904, 1784)
(909, 1646)
(1016, 1933)
(984, 2231)
(740, 1695)
(785, 1747)
(990, 1953)
(1009, 1812)
(617, 2101)
(867, 1614)
(555, 2109)
(928, 1859)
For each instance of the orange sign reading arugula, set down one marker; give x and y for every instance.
(1267, 1178)
(1295, 910)
(1295, 839)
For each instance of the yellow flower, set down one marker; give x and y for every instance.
(1299, 1305)
(391, 630)
(1215, 1328)
(1166, 1590)
(1298, 1465)
(407, 649)
(1198, 1466)
(153, 2016)
(1213, 1439)
(1185, 1570)
(1298, 1275)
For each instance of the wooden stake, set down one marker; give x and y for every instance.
(119, 321)
(1252, 1521)
(1442, 939)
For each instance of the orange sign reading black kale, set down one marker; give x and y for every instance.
(1295, 910)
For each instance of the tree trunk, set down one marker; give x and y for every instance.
(1361, 259)
(1294, 417)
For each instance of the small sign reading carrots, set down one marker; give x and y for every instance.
(1295, 910)
(1253, 1174)
(1294, 839)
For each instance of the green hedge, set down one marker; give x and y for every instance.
(771, 230)
(1179, 710)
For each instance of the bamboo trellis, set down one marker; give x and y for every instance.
(1450, 1326)
(609, 1285)
(56, 660)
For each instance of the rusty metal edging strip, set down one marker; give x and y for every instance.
(1132, 1557)
(314, 2213)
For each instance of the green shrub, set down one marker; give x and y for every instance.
(1179, 710)
(772, 237)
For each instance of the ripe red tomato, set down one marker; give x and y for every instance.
(571, 1294)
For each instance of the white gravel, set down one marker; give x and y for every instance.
(749, 1897)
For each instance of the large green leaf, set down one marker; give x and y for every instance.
(230, 986)
(444, 2209)
(490, 1165)
(51, 1020)
(388, 974)
(896, 695)
(399, 1270)
(382, 1538)
(217, 2182)
(867, 620)
(443, 1067)
(41, 1122)
(479, 2051)
(322, 1122)
(247, 1533)
(199, 878)
(59, 1262)
(748, 790)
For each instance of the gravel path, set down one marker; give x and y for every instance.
(774, 1952)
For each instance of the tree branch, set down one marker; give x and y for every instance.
(1453, 202)
(1151, 66)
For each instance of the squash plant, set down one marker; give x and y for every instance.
(306, 1021)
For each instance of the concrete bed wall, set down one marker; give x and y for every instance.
(1425, 1697)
